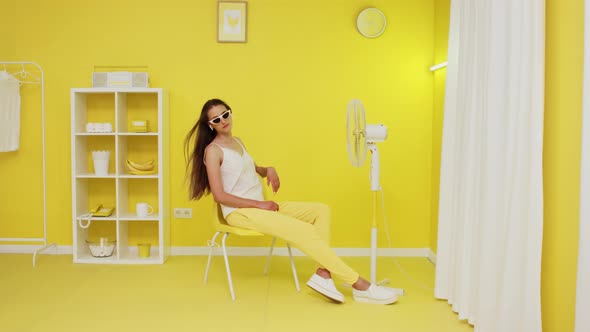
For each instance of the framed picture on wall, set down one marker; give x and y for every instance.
(231, 21)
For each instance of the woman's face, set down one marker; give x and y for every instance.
(220, 118)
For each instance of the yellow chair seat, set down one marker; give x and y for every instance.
(236, 230)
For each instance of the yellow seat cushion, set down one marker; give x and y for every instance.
(222, 226)
(236, 230)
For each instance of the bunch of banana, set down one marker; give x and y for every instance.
(140, 168)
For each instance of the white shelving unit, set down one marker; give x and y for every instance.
(119, 189)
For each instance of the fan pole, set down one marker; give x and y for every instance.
(374, 241)
(375, 187)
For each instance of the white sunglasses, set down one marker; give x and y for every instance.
(217, 120)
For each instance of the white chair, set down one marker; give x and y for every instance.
(221, 226)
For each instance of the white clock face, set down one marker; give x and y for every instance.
(371, 22)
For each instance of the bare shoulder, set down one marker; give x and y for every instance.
(213, 152)
(239, 140)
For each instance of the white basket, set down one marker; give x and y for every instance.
(103, 248)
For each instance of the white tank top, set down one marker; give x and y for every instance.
(238, 175)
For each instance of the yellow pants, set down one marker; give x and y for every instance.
(305, 225)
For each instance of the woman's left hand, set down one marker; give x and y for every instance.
(272, 179)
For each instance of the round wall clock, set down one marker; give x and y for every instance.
(371, 23)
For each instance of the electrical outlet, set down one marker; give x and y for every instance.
(183, 213)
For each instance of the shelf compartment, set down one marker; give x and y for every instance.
(134, 232)
(137, 106)
(95, 107)
(133, 191)
(138, 149)
(93, 191)
(141, 231)
(85, 144)
(97, 229)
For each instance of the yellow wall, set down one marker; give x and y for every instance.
(442, 14)
(288, 86)
(562, 144)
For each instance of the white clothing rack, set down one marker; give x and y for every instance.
(26, 77)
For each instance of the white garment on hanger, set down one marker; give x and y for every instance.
(9, 112)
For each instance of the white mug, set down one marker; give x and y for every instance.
(143, 209)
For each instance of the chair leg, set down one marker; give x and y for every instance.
(231, 285)
(211, 245)
(293, 268)
(272, 245)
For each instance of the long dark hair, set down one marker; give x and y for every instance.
(201, 135)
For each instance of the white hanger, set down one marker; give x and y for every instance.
(5, 76)
(24, 76)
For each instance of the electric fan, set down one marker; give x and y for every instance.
(361, 137)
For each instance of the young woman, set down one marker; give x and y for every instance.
(218, 163)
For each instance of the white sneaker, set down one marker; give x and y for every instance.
(325, 287)
(375, 294)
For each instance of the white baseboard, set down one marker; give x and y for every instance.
(282, 251)
(239, 251)
(30, 248)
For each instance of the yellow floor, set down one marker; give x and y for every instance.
(58, 295)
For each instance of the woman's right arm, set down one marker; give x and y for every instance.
(213, 160)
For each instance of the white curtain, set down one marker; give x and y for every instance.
(491, 191)
(583, 283)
